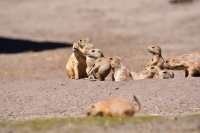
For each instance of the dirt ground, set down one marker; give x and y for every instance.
(34, 84)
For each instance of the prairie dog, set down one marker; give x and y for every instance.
(119, 71)
(160, 74)
(101, 68)
(145, 74)
(114, 106)
(192, 69)
(91, 57)
(157, 59)
(76, 64)
(190, 63)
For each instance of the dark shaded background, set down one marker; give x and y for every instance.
(12, 45)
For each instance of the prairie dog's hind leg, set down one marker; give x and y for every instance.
(70, 73)
(103, 72)
(76, 72)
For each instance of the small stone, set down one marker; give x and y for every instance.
(117, 88)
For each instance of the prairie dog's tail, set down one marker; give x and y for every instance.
(138, 103)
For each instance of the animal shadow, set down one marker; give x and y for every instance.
(12, 45)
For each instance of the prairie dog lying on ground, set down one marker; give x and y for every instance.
(157, 59)
(101, 68)
(76, 64)
(119, 71)
(148, 73)
(145, 74)
(160, 74)
(114, 106)
(91, 56)
(190, 63)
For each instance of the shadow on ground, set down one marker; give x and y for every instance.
(11, 45)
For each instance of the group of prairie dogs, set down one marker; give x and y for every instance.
(87, 62)
(90, 63)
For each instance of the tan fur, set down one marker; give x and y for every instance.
(190, 63)
(164, 74)
(161, 74)
(119, 71)
(152, 72)
(155, 67)
(76, 64)
(91, 56)
(145, 74)
(114, 106)
(157, 59)
(101, 68)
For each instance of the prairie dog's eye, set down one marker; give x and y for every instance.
(93, 50)
(164, 72)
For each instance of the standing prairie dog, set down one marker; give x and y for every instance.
(114, 106)
(76, 64)
(91, 56)
(119, 71)
(157, 59)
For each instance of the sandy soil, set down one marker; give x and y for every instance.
(34, 98)
(35, 84)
